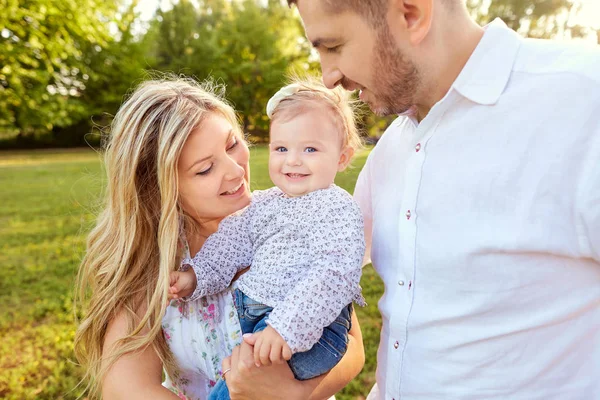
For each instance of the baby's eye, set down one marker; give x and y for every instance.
(310, 150)
(280, 149)
(333, 49)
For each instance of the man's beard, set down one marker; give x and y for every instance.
(395, 78)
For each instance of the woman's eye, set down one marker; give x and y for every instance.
(310, 149)
(206, 171)
(232, 145)
(280, 149)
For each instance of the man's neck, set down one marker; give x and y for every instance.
(455, 50)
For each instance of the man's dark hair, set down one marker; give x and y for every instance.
(373, 11)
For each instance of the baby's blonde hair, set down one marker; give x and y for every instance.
(313, 94)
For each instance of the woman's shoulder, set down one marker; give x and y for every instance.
(119, 325)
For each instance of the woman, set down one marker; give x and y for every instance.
(176, 164)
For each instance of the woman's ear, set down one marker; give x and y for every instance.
(345, 157)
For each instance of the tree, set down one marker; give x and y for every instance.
(112, 71)
(248, 45)
(531, 18)
(41, 51)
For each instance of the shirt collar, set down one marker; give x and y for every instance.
(484, 77)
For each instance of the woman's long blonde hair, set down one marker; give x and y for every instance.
(134, 245)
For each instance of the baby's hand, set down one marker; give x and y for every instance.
(270, 348)
(181, 284)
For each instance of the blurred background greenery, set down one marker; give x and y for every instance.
(65, 66)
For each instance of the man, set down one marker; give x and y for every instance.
(482, 198)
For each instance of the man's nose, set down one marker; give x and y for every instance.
(332, 76)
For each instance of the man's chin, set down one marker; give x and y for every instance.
(375, 108)
(380, 110)
(383, 110)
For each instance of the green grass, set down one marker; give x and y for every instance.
(47, 205)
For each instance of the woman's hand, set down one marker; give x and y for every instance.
(246, 381)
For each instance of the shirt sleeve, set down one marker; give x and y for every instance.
(333, 279)
(589, 199)
(224, 254)
(362, 195)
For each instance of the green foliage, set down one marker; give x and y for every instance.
(246, 44)
(534, 18)
(47, 206)
(60, 64)
(114, 68)
(41, 47)
(66, 65)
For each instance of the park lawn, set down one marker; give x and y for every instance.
(48, 202)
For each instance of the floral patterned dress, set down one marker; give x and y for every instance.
(200, 334)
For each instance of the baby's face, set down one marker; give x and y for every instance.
(305, 153)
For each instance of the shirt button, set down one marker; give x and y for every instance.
(418, 147)
(408, 214)
(401, 283)
(396, 345)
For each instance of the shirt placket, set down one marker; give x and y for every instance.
(408, 230)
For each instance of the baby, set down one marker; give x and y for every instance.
(303, 239)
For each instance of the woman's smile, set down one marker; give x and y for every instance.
(236, 191)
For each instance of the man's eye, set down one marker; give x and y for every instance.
(310, 149)
(280, 149)
(206, 171)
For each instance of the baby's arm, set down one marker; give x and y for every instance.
(223, 255)
(332, 282)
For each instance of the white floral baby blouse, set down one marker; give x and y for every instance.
(200, 334)
(305, 254)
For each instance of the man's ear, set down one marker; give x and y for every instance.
(410, 19)
(345, 157)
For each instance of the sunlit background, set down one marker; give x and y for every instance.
(65, 67)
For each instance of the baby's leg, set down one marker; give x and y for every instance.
(327, 352)
(250, 312)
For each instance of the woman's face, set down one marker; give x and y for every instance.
(213, 171)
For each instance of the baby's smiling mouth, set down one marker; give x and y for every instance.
(296, 176)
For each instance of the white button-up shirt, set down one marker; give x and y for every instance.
(485, 223)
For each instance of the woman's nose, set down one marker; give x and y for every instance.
(234, 170)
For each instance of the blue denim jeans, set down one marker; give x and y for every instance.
(321, 358)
